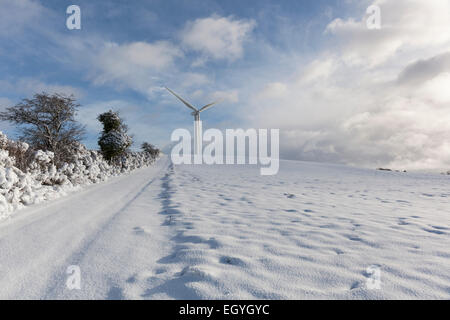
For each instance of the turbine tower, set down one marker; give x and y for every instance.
(198, 135)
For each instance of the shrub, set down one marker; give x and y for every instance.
(114, 140)
(150, 149)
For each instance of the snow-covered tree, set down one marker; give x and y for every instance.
(114, 140)
(47, 122)
(150, 149)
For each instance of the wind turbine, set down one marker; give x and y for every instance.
(198, 136)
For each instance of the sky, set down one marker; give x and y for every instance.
(338, 91)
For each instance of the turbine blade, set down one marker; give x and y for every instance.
(187, 104)
(208, 106)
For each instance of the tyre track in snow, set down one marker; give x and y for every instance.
(37, 248)
(80, 253)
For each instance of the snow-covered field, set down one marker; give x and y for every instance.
(225, 232)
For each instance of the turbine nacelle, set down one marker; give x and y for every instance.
(195, 112)
(197, 122)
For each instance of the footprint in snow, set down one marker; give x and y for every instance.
(428, 195)
(433, 231)
(356, 285)
(440, 228)
(193, 272)
(160, 270)
(140, 230)
(354, 238)
(169, 221)
(231, 261)
(115, 293)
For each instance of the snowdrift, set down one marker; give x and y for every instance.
(42, 181)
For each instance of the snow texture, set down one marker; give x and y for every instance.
(43, 181)
(313, 231)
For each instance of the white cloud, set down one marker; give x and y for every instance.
(19, 15)
(318, 70)
(30, 86)
(155, 56)
(425, 69)
(192, 79)
(122, 61)
(217, 37)
(372, 97)
(405, 25)
(231, 96)
(135, 65)
(437, 89)
(273, 90)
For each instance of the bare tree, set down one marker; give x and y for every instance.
(48, 123)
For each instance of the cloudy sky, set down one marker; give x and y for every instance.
(337, 90)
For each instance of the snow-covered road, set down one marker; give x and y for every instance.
(103, 229)
(197, 232)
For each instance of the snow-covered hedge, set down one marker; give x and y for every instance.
(41, 180)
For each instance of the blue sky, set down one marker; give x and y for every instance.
(40, 52)
(308, 68)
